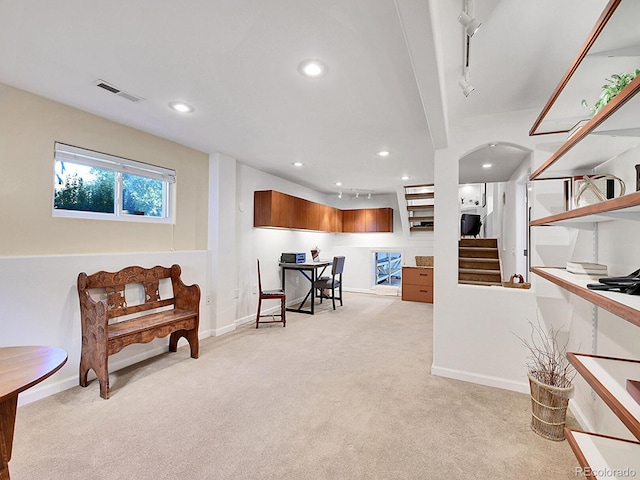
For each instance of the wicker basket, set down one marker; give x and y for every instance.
(424, 261)
(549, 409)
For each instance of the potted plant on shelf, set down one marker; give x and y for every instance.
(550, 381)
(614, 85)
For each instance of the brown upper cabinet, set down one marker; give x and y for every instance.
(276, 209)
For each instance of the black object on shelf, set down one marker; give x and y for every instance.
(629, 284)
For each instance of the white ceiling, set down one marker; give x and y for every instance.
(236, 62)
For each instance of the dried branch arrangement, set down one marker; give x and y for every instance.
(548, 360)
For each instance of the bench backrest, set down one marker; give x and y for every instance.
(114, 284)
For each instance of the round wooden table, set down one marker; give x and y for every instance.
(21, 368)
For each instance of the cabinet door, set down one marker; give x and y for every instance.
(262, 208)
(384, 220)
(300, 211)
(315, 216)
(281, 211)
(370, 219)
(337, 220)
(327, 220)
(417, 276)
(360, 221)
(348, 220)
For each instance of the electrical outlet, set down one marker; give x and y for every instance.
(208, 300)
(236, 293)
(297, 280)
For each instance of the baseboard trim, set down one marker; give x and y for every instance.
(226, 329)
(580, 417)
(490, 381)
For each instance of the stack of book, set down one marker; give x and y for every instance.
(587, 268)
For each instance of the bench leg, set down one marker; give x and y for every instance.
(99, 364)
(192, 338)
(84, 371)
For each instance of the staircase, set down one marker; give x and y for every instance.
(420, 205)
(479, 262)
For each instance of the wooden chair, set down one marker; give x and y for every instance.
(270, 295)
(332, 282)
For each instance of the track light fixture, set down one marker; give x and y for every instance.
(471, 25)
(466, 87)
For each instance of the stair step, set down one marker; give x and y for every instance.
(420, 218)
(421, 229)
(419, 196)
(419, 208)
(479, 263)
(471, 282)
(478, 252)
(483, 261)
(480, 277)
(422, 185)
(478, 242)
(479, 271)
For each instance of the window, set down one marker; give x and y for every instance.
(90, 184)
(388, 268)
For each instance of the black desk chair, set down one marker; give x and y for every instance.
(271, 295)
(332, 282)
(470, 224)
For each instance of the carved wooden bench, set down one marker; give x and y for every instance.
(101, 336)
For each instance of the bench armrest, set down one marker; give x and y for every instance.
(187, 296)
(93, 315)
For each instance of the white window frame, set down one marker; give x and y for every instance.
(120, 166)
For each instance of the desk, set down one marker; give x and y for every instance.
(310, 272)
(20, 369)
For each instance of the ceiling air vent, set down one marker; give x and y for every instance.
(110, 88)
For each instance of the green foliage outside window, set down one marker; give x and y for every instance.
(141, 196)
(90, 193)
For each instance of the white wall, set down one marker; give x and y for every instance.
(474, 326)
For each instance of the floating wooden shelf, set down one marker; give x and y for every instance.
(620, 304)
(600, 455)
(419, 196)
(608, 378)
(577, 162)
(626, 207)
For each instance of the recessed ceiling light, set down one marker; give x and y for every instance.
(492, 145)
(338, 184)
(383, 153)
(312, 68)
(181, 107)
(487, 165)
(297, 164)
(406, 177)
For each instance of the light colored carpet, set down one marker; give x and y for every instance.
(344, 394)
